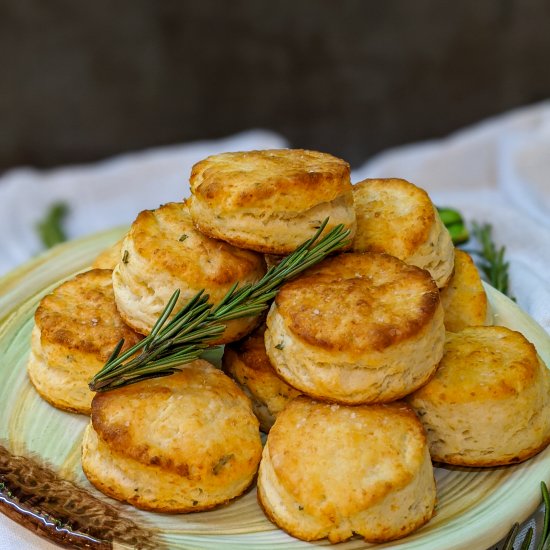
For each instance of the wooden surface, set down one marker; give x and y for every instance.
(85, 80)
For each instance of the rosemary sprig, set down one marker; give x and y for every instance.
(491, 259)
(488, 258)
(545, 537)
(182, 339)
(512, 540)
(50, 228)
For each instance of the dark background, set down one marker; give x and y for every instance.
(84, 80)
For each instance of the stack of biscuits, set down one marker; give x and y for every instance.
(368, 366)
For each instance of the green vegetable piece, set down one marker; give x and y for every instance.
(459, 234)
(545, 539)
(454, 222)
(449, 216)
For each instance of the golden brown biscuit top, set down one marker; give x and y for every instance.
(276, 179)
(466, 272)
(393, 216)
(251, 351)
(254, 369)
(81, 315)
(168, 239)
(195, 422)
(358, 302)
(109, 258)
(344, 459)
(464, 298)
(483, 363)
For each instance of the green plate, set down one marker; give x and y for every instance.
(476, 507)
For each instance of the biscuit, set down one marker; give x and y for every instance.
(109, 258)
(464, 299)
(332, 471)
(181, 443)
(247, 363)
(398, 218)
(488, 404)
(270, 201)
(76, 328)
(271, 260)
(357, 328)
(163, 252)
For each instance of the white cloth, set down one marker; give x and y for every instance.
(497, 171)
(105, 194)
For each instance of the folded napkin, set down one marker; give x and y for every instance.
(497, 171)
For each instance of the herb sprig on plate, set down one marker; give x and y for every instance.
(185, 337)
(489, 258)
(491, 261)
(512, 540)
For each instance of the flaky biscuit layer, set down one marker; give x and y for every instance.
(163, 252)
(488, 403)
(77, 327)
(248, 364)
(362, 469)
(464, 299)
(270, 201)
(182, 443)
(295, 179)
(357, 328)
(396, 217)
(109, 258)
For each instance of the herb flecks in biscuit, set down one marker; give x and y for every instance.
(162, 252)
(248, 364)
(271, 200)
(357, 328)
(76, 328)
(363, 469)
(183, 443)
(488, 403)
(396, 217)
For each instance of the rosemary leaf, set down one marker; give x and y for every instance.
(526, 544)
(544, 539)
(184, 337)
(50, 228)
(490, 259)
(511, 537)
